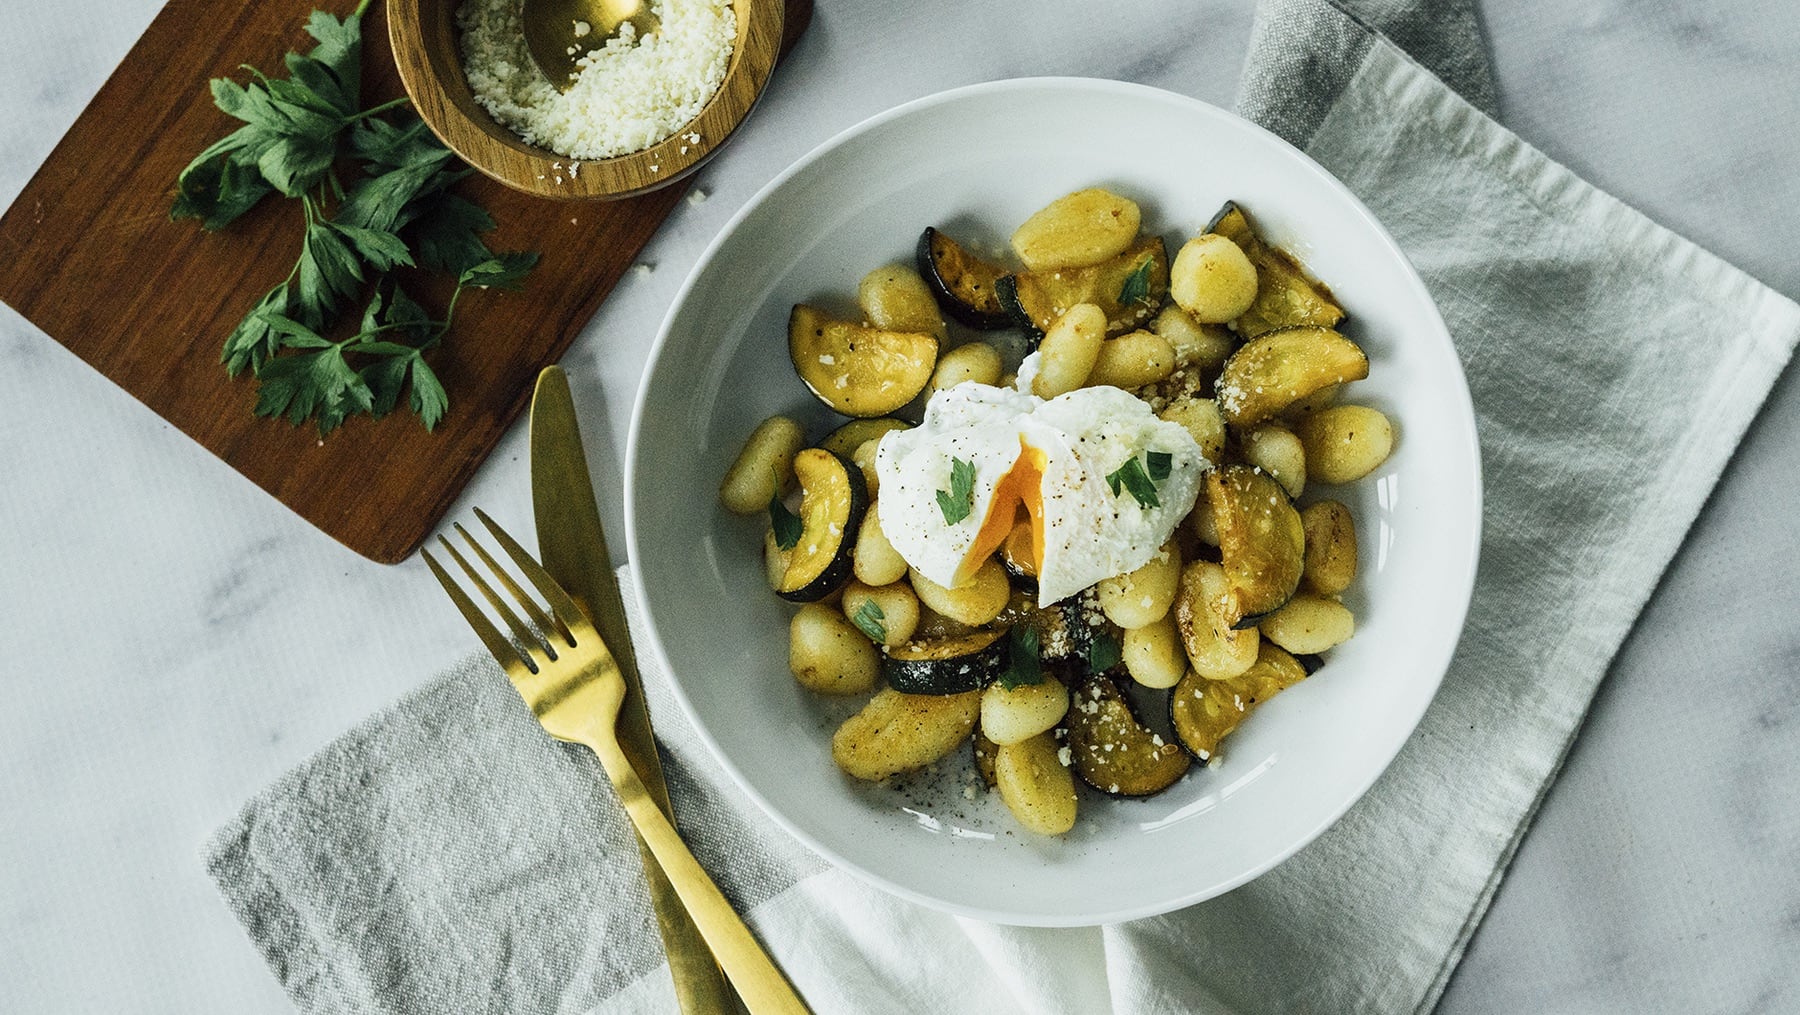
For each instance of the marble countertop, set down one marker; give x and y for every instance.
(1663, 871)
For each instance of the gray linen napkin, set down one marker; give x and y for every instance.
(445, 857)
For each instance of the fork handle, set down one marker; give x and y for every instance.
(759, 984)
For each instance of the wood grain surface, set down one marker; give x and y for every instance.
(88, 254)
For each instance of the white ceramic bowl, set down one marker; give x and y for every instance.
(977, 161)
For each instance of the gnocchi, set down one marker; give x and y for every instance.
(828, 654)
(1232, 341)
(1346, 442)
(1069, 350)
(1132, 360)
(764, 469)
(896, 298)
(1077, 230)
(1212, 279)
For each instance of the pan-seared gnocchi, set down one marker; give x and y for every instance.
(1132, 360)
(895, 298)
(1344, 443)
(1231, 341)
(1212, 279)
(1069, 350)
(764, 469)
(828, 654)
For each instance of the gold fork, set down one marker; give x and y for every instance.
(568, 677)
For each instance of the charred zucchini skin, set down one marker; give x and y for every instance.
(1111, 749)
(828, 569)
(947, 665)
(1231, 223)
(1200, 729)
(1035, 299)
(962, 283)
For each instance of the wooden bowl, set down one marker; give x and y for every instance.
(427, 50)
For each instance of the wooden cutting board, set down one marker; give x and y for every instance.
(88, 254)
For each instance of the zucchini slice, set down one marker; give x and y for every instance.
(1129, 289)
(1278, 368)
(833, 500)
(1112, 751)
(1203, 711)
(1215, 650)
(855, 369)
(1285, 295)
(947, 665)
(962, 282)
(1262, 542)
(847, 438)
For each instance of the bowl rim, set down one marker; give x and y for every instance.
(755, 50)
(1461, 577)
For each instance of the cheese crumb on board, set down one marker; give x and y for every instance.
(631, 93)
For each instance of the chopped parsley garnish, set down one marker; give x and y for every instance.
(1103, 652)
(869, 619)
(957, 502)
(787, 524)
(1023, 666)
(1131, 476)
(1137, 285)
(1159, 462)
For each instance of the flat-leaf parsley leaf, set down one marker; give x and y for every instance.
(1131, 476)
(957, 502)
(1137, 285)
(787, 525)
(1104, 652)
(1023, 666)
(870, 620)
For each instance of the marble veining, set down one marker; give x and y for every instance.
(1662, 874)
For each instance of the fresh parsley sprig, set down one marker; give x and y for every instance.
(397, 212)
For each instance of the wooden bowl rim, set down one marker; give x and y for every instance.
(493, 149)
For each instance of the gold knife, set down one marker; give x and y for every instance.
(572, 545)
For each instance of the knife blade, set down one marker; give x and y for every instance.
(572, 545)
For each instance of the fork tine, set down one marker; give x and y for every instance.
(566, 609)
(526, 639)
(497, 645)
(543, 622)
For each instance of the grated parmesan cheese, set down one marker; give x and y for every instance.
(630, 94)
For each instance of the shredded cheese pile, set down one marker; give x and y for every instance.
(630, 94)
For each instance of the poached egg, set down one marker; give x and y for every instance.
(1046, 462)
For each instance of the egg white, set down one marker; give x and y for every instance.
(1088, 533)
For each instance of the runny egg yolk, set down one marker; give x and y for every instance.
(1021, 488)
